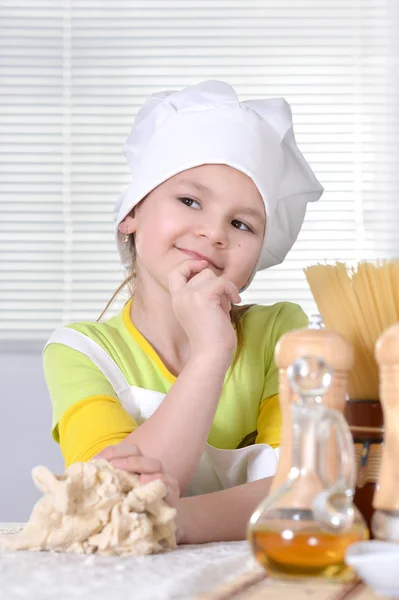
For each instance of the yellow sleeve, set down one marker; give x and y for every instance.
(71, 378)
(91, 425)
(269, 422)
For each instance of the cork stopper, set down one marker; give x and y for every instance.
(338, 353)
(386, 496)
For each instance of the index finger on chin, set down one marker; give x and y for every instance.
(179, 276)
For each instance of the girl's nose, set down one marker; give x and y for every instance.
(215, 233)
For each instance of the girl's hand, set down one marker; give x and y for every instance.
(127, 457)
(202, 301)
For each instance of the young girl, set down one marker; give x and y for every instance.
(182, 384)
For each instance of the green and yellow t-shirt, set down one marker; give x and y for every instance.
(88, 416)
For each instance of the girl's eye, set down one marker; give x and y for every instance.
(190, 202)
(240, 225)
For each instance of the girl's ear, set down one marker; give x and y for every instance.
(128, 225)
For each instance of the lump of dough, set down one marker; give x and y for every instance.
(93, 507)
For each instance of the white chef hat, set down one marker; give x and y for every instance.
(207, 124)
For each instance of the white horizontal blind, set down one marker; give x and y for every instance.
(74, 74)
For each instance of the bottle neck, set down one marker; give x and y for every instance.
(305, 420)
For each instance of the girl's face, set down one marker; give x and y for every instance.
(211, 211)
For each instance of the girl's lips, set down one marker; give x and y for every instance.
(197, 256)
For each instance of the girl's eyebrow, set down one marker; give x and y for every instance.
(253, 212)
(200, 187)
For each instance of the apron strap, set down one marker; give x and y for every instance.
(82, 343)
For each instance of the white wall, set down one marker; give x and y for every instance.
(25, 436)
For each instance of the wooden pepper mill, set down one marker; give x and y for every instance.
(337, 352)
(385, 522)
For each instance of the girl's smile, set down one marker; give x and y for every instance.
(198, 256)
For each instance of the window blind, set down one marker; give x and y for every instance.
(74, 74)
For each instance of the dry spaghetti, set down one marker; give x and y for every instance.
(360, 303)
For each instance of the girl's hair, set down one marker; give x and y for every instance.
(236, 312)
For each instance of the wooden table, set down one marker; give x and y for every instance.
(255, 585)
(222, 571)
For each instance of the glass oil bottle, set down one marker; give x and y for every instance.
(305, 526)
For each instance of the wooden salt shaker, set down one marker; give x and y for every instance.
(385, 522)
(337, 352)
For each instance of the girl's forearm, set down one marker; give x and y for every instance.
(177, 431)
(220, 516)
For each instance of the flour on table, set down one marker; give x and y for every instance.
(94, 508)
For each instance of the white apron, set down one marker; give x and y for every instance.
(218, 469)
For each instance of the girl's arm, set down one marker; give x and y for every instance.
(220, 516)
(177, 431)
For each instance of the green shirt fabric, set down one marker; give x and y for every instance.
(72, 377)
